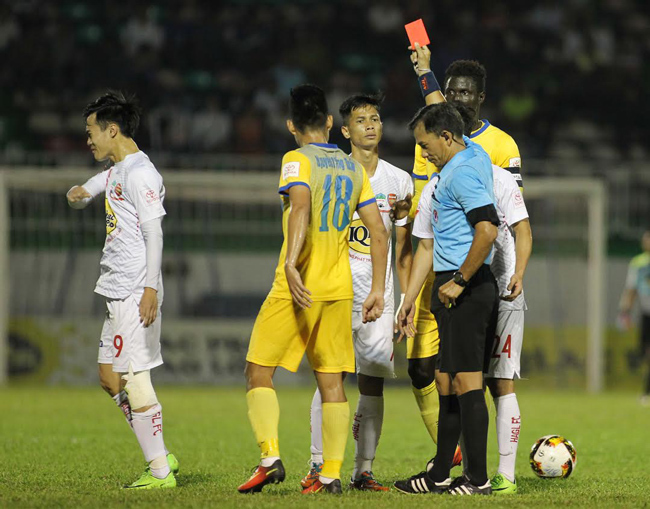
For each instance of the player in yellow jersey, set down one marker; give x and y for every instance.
(309, 307)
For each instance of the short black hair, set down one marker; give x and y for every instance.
(308, 107)
(359, 101)
(118, 107)
(470, 69)
(439, 117)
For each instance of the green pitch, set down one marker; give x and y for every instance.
(72, 448)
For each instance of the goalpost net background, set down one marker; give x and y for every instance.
(222, 240)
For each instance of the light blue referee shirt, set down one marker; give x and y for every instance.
(466, 183)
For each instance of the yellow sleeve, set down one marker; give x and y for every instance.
(296, 170)
(419, 165)
(418, 186)
(507, 153)
(422, 171)
(367, 195)
(508, 157)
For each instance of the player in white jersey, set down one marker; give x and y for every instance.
(373, 341)
(130, 279)
(512, 250)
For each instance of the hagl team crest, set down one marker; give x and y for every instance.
(392, 198)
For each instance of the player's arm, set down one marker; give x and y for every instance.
(153, 242)
(298, 223)
(373, 306)
(511, 203)
(422, 263)
(523, 250)
(80, 196)
(403, 261)
(421, 60)
(144, 189)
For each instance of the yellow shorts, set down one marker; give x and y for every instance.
(283, 333)
(426, 341)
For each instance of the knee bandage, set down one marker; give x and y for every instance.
(139, 389)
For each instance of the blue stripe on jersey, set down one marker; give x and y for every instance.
(486, 124)
(325, 145)
(420, 177)
(284, 189)
(367, 202)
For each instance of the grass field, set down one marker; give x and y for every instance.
(71, 448)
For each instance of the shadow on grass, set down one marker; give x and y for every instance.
(535, 485)
(195, 478)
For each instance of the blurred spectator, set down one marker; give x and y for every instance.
(214, 76)
(142, 31)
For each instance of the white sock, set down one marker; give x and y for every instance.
(148, 429)
(508, 426)
(366, 430)
(160, 467)
(268, 461)
(325, 480)
(316, 423)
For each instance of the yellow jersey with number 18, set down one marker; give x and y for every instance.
(339, 186)
(498, 144)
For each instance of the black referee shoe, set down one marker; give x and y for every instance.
(463, 486)
(421, 484)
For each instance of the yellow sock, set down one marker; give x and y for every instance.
(336, 424)
(264, 414)
(427, 399)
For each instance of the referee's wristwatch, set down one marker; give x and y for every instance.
(459, 279)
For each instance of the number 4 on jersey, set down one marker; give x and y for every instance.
(507, 347)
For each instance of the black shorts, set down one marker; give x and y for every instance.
(645, 334)
(467, 329)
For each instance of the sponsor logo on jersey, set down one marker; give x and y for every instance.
(116, 191)
(392, 198)
(151, 196)
(290, 170)
(111, 218)
(380, 196)
(515, 162)
(359, 237)
(518, 199)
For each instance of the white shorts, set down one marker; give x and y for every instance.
(373, 345)
(505, 360)
(125, 341)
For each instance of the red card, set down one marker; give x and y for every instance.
(417, 33)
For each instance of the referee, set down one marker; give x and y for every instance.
(465, 297)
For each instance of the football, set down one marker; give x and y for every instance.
(553, 456)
